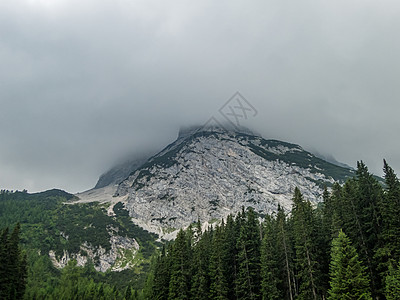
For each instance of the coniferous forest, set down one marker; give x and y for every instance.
(346, 247)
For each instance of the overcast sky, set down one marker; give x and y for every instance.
(83, 83)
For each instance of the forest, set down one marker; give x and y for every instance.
(346, 247)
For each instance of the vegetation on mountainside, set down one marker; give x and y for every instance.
(348, 247)
(48, 222)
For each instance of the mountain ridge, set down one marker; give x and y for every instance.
(208, 173)
(121, 171)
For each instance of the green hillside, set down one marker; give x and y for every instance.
(48, 222)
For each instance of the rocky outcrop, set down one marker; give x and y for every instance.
(119, 257)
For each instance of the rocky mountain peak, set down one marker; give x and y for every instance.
(210, 172)
(216, 128)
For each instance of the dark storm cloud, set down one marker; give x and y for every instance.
(85, 82)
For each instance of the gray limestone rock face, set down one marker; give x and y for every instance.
(206, 175)
(209, 173)
(118, 258)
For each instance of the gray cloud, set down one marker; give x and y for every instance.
(85, 82)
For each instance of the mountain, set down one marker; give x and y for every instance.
(208, 173)
(119, 172)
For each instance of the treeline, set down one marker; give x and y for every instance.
(346, 248)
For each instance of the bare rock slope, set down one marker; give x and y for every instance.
(207, 174)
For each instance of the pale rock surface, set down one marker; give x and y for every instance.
(207, 174)
(114, 259)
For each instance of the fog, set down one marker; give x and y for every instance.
(86, 83)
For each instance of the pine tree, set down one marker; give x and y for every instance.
(270, 262)
(348, 279)
(304, 230)
(218, 272)
(179, 284)
(324, 216)
(22, 276)
(201, 261)
(361, 219)
(248, 280)
(286, 257)
(230, 237)
(390, 207)
(161, 276)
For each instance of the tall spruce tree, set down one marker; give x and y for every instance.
(230, 237)
(218, 268)
(200, 267)
(248, 278)
(324, 227)
(305, 237)
(348, 277)
(390, 207)
(286, 255)
(180, 274)
(271, 278)
(361, 219)
(161, 276)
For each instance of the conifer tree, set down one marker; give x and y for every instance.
(361, 199)
(324, 220)
(161, 276)
(200, 266)
(230, 237)
(180, 274)
(285, 249)
(348, 278)
(308, 269)
(270, 262)
(248, 280)
(370, 198)
(218, 272)
(390, 207)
